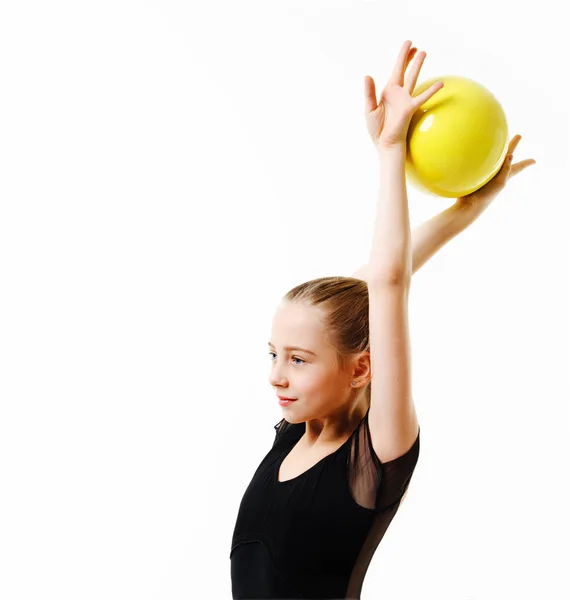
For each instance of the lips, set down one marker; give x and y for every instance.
(284, 398)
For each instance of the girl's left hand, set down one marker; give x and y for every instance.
(481, 198)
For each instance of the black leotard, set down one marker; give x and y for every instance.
(314, 536)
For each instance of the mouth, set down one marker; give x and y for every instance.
(285, 401)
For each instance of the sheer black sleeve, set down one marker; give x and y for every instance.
(374, 484)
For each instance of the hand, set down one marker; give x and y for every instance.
(388, 119)
(481, 198)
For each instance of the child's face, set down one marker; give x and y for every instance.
(313, 380)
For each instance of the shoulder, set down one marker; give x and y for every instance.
(285, 430)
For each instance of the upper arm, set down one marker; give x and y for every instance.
(392, 418)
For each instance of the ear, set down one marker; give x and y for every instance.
(363, 366)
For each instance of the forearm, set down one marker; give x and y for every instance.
(391, 253)
(432, 235)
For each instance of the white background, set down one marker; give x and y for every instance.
(169, 170)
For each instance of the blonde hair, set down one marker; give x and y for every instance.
(343, 302)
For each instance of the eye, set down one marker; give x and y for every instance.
(294, 358)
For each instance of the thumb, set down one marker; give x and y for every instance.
(370, 103)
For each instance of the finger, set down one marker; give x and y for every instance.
(413, 75)
(411, 54)
(521, 166)
(514, 143)
(370, 102)
(400, 66)
(503, 173)
(425, 96)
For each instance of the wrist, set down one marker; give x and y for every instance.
(463, 215)
(392, 150)
(469, 208)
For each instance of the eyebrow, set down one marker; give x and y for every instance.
(293, 348)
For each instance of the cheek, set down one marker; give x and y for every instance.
(319, 383)
(307, 381)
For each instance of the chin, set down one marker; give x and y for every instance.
(292, 416)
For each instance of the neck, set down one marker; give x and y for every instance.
(338, 426)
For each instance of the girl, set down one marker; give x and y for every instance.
(344, 453)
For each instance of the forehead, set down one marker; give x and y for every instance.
(297, 324)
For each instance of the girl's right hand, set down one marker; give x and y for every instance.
(388, 119)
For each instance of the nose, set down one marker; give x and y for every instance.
(276, 377)
(277, 381)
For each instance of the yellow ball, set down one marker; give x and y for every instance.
(457, 140)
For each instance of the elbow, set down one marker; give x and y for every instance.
(392, 277)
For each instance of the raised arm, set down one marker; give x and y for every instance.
(392, 417)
